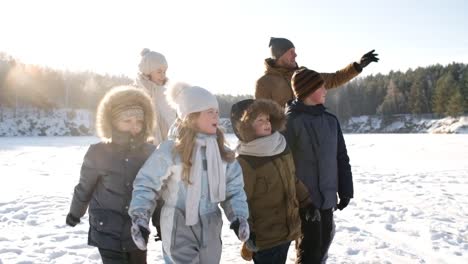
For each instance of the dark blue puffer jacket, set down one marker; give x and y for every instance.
(319, 152)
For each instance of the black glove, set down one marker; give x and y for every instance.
(235, 227)
(251, 244)
(158, 236)
(144, 233)
(72, 220)
(310, 214)
(344, 201)
(368, 58)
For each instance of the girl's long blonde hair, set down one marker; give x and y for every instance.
(185, 143)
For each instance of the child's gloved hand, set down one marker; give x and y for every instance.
(241, 228)
(72, 220)
(310, 214)
(158, 236)
(344, 201)
(140, 232)
(251, 243)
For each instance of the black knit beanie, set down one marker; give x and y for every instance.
(279, 46)
(305, 82)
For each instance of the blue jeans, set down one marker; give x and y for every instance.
(274, 255)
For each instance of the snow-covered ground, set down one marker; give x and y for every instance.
(410, 206)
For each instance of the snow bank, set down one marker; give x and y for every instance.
(406, 124)
(80, 122)
(34, 122)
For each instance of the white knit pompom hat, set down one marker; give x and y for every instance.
(187, 99)
(151, 61)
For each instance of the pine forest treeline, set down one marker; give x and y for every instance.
(438, 90)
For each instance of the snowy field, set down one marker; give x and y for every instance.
(410, 206)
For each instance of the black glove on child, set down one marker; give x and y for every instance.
(343, 203)
(158, 236)
(368, 58)
(72, 220)
(252, 242)
(310, 213)
(235, 227)
(144, 233)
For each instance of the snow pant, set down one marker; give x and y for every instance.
(274, 255)
(200, 243)
(117, 257)
(313, 244)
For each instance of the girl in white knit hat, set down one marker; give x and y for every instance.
(152, 78)
(193, 173)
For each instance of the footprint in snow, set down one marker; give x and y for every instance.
(351, 251)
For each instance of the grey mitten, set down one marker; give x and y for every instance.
(241, 228)
(140, 231)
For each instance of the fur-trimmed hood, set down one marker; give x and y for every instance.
(243, 113)
(119, 95)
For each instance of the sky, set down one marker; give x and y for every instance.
(222, 45)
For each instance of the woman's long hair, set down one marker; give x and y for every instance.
(185, 142)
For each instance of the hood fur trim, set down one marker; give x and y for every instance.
(116, 96)
(266, 106)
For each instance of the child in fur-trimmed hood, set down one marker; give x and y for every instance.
(273, 192)
(124, 122)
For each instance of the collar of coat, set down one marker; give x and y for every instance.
(296, 107)
(257, 162)
(271, 68)
(125, 140)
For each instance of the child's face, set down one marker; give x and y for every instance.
(133, 125)
(318, 97)
(159, 75)
(207, 121)
(262, 125)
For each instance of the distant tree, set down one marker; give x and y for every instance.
(464, 88)
(226, 101)
(455, 104)
(418, 99)
(394, 102)
(443, 91)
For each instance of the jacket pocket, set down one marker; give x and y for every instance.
(107, 221)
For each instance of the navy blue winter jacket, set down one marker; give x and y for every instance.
(319, 152)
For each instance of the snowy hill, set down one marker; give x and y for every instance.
(406, 124)
(34, 122)
(80, 122)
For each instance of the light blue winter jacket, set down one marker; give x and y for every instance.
(161, 176)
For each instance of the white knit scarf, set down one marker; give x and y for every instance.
(165, 115)
(216, 177)
(264, 146)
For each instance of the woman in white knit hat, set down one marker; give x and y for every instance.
(193, 173)
(152, 78)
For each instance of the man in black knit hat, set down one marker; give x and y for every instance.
(275, 84)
